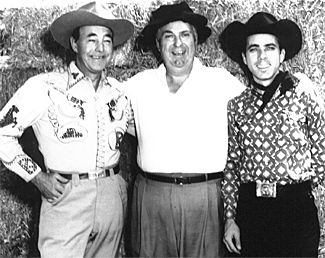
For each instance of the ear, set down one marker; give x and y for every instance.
(282, 55)
(158, 44)
(244, 58)
(73, 44)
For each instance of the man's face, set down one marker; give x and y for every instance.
(94, 49)
(263, 57)
(177, 42)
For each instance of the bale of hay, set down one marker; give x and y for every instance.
(31, 50)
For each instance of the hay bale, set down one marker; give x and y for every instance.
(25, 38)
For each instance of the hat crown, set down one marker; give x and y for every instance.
(91, 14)
(98, 9)
(261, 19)
(170, 10)
(233, 37)
(172, 13)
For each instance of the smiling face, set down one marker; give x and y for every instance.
(263, 57)
(177, 43)
(94, 49)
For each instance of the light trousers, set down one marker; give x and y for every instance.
(86, 221)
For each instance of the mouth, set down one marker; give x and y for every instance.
(98, 57)
(263, 66)
(179, 53)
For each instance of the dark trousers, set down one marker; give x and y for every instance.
(286, 226)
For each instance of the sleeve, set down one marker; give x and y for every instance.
(236, 87)
(127, 88)
(21, 111)
(231, 180)
(316, 130)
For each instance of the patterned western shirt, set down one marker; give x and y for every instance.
(284, 143)
(78, 129)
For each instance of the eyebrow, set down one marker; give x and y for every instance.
(91, 34)
(169, 31)
(266, 45)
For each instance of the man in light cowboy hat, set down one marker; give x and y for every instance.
(180, 117)
(79, 118)
(276, 145)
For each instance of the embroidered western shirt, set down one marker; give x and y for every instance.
(184, 131)
(78, 129)
(285, 143)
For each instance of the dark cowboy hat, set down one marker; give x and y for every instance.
(90, 14)
(170, 13)
(234, 36)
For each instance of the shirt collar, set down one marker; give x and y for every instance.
(162, 69)
(75, 76)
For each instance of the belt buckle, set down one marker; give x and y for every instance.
(96, 175)
(93, 176)
(266, 189)
(178, 180)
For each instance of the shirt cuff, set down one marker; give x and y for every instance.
(24, 166)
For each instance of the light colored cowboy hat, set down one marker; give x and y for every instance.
(170, 13)
(233, 37)
(93, 13)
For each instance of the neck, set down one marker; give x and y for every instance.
(175, 82)
(268, 92)
(95, 81)
(94, 77)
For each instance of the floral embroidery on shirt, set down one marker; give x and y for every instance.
(71, 131)
(26, 163)
(9, 117)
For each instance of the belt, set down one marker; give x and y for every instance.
(281, 190)
(297, 187)
(182, 180)
(93, 175)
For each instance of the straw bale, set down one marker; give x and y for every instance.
(26, 40)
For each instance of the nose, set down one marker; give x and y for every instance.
(262, 54)
(178, 41)
(100, 47)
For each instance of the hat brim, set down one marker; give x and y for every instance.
(198, 21)
(234, 36)
(63, 26)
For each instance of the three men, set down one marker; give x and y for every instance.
(276, 145)
(79, 118)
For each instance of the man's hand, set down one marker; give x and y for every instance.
(232, 236)
(305, 84)
(60, 69)
(51, 185)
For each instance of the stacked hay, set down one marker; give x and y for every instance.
(31, 49)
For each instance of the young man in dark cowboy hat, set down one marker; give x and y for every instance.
(276, 145)
(180, 116)
(79, 118)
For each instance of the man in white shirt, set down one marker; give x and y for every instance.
(180, 113)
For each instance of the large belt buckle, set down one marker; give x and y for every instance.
(96, 175)
(266, 189)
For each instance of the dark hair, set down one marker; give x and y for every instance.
(76, 33)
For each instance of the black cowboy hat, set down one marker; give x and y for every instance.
(234, 36)
(95, 14)
(170, 13)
